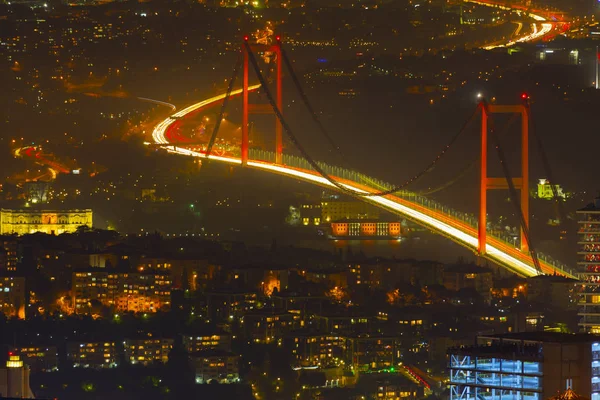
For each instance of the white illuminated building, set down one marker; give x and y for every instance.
(14, 379)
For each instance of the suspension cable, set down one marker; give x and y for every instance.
(307, 104)
(548, 170)
(316, 166)
(451, 182)
(466, 169)
(213, 137)
(513, 193)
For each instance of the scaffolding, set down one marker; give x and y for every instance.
(492, 378)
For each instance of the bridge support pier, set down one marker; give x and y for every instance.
(261, 108)
(487, 183)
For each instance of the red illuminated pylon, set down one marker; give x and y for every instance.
(487, 183)
(261, 108)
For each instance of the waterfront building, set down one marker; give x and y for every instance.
(52, 222)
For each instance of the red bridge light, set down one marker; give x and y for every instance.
(525, 96)
(246, 38)
(278, 38)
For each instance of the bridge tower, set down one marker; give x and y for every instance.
(261, 108)
(486, 183)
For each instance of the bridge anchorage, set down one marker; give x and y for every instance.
(467, 230)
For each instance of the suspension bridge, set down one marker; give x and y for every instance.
(469, 231)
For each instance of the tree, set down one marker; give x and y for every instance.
(179, 372)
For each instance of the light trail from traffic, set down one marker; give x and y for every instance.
(38, 157)
(536, 34)
(158, 134)
(456, 230)
(161, 103)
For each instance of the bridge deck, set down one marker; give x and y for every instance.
(456, 226)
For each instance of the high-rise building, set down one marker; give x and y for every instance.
(525, 366)
(589, 267)
(14, 379)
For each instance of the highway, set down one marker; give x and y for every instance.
(545, 25)
(158, 134)
(459, 231)
(34, 154)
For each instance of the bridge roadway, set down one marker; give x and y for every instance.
(439, 219)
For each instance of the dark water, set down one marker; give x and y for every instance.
(424, 247)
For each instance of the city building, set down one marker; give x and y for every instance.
(527, 317)
(268, 325)
(216, 365)
(190, 272)
(52, 222)
(95, 355)
(368, 273)
(14, 379)
(361, 228)
(463, 276)
(525, 366)
(125, 291)
(546, 190)
(8, 254)
(372, 352)
(310, 214)
(12, 296)
(554, 289)
(398, 387)
(341, 321)
(214, 340)
(39, 358)
(589, 267)
(330, 277)
(335, 210)
(310, 349)
(147, 350)
(298, 303)
(227, 305)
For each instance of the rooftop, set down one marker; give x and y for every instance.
(467, 269)
(548, 337)
(595, 206)
(212, 353)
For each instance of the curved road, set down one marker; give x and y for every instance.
(545, 24)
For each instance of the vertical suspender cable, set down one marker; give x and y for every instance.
(213, 137)
(514, 196)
